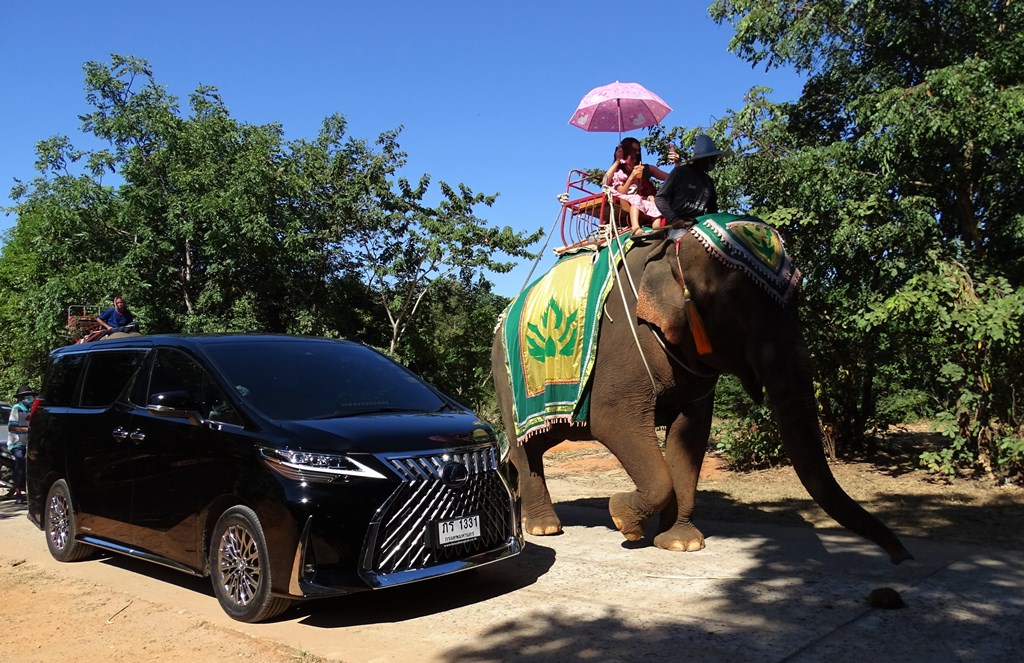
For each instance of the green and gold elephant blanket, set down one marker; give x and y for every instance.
(550, 329)
(550, 335)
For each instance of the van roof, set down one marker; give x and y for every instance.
(188, 341)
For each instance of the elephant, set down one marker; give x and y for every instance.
(752, 336)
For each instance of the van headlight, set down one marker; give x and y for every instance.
(316, 466)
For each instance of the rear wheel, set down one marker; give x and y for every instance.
(240, 567)
(59, 525)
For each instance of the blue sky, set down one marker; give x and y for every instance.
(483, 90)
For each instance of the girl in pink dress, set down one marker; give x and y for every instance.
(630, 184)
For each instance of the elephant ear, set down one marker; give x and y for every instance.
(660, 295)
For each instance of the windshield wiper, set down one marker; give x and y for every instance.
(342, 414)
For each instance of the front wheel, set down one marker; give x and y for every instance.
(240, 567)
(59, 525)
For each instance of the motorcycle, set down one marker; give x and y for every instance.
(6, 470)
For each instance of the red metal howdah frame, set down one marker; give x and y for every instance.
(586, 210)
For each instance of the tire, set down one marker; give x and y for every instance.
(59, 525)
(240, 568)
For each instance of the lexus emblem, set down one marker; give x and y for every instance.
(454, 475)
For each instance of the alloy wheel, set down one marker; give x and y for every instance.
(59, 530)
(239, 563)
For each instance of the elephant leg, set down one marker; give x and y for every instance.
(636, 448)
(685, 445)
(539, 517)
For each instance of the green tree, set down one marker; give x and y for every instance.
(897, 178)
(400, 247)
(53, 256)
(454, 351)
(217, 225)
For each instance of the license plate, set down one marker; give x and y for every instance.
(458, 530)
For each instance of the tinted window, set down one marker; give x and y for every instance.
(139, 391)
(176, 371)
(61, 378)
(107, 375)
(307, 379)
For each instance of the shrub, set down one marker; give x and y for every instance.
(744, 432)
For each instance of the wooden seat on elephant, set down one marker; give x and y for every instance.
(585, 211)
(83, 321)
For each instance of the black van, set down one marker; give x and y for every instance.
(283, 467)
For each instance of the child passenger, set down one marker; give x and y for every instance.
(630, 182)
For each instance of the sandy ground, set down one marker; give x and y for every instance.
(48, 616)
(893, 487)
(114, 608)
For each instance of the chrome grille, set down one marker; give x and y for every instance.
(426, 468)
(399, 538)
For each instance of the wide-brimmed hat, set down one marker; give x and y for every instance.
(704, 147)
(25, 390)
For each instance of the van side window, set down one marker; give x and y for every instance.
(107, 374)
(61, 379)
(176, 371)
(137, 392)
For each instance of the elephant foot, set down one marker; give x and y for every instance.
(683, 538)
(542, 526)
(541, 521)
(626, 519)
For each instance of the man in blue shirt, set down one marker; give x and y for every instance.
(116, 317)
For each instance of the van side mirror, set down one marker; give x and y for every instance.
(178, 403)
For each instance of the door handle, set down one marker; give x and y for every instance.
(119, 433)
(137, 435)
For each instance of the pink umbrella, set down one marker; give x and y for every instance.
(619, 107)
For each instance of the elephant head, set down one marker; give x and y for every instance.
(758, 338)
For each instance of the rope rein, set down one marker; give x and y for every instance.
(691, 313)
(540, 254)
(612, 235)
(700, 335)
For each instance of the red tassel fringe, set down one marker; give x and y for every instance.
(700, 336)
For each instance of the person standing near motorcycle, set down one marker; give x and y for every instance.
(17, 439)
(116, 317)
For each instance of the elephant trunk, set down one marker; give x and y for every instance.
(790, 391)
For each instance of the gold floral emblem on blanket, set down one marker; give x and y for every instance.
(550, 325)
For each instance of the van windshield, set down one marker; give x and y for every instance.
(299, 379)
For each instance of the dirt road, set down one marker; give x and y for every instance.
(758, 592)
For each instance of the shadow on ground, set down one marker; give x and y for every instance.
(407, 602)
(394, 604)
(804, 599)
